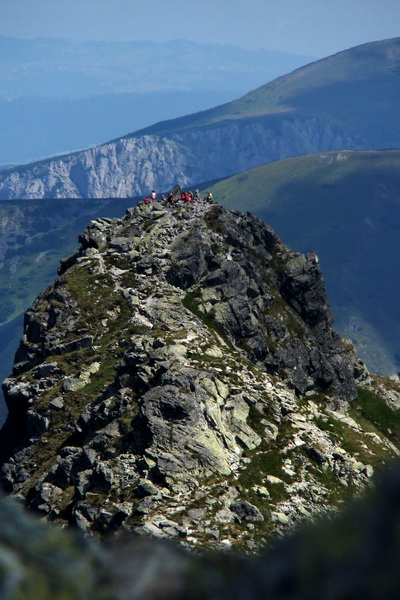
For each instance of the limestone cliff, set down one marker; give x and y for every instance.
(181, 378)
(133, 165)
(345, 101)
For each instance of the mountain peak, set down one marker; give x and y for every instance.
(179, 379)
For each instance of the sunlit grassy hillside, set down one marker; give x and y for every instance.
(357, 89)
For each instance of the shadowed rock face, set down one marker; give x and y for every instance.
(181, 378)
(270, 301)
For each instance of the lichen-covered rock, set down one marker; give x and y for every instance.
(185, 360)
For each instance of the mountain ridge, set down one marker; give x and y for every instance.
(91, 92)
(229, 138)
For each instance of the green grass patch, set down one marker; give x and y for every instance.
(266, 459)
(190, 303)
(356, 443)
(336, 491)
(374, 409)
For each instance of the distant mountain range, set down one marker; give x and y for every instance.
(349, 100)
(33, 127)
(70, 69)
(58, 95)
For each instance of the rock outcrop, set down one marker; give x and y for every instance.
(181, 378)
(34, 236)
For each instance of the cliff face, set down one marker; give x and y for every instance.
(131, 166)
(182, 378)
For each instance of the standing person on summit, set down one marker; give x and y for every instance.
(171, 198)
(153, 196)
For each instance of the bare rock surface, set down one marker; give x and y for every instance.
(353, 555)
(181, 379)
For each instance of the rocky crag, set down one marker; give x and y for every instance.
(181, 378)
(34, 235)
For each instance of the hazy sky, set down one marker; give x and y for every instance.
(312, 27)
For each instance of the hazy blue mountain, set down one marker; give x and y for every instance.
(58, 96)
(33, 127)
(71, 69)
(349, 100)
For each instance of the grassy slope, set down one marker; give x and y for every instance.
(356, 90)
(346, 207)
(349, 89)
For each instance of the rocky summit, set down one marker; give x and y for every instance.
(181, 378)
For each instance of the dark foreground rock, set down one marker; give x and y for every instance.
(352, 556)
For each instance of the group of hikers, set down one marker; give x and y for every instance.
(178, 195)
